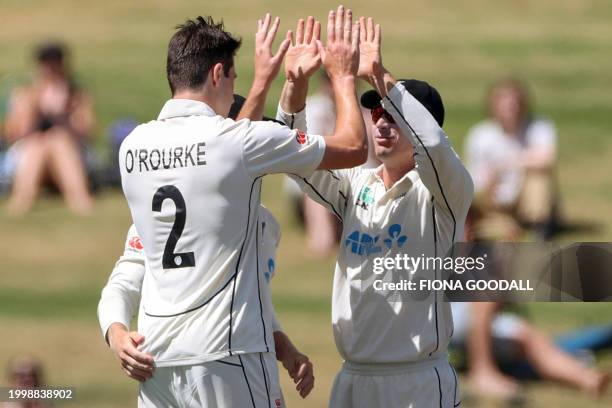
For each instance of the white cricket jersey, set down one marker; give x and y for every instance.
(120, 297)
(192, 180)
(422, 214)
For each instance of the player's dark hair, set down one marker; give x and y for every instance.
(194, 49)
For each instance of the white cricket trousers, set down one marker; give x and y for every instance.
(240, 381)
(430, 383)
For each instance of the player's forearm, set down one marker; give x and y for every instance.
(283, 345)
(255, 102)
(113, 331)
(348, 147)
(293, 96)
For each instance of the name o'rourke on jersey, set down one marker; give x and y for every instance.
(165, 158)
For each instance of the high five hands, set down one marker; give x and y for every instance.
(352, 49)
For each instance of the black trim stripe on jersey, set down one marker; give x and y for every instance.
(323, 198)
(196, 307)
(435, 238)
(439, 386)
(263, 370)
(227, 363)
(455, 404)
(399, 112)
(331, 173)
(247, 381)
(246, 234)
(263, 324)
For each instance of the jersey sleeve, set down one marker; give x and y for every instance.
(121, 295)
(292, 120)
(327, 187)
(330, 188)
(438, 165)
(273, 148)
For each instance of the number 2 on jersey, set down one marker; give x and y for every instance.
(170, 259)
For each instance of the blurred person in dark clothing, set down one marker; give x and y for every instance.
(511, 157)
(47, 123)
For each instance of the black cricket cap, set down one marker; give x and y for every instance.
(237, 105)
(426, 94)
(50, 51)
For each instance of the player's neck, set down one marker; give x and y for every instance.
(196, 96)
(391, 173)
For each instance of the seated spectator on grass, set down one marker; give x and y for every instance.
(501, 348)
(47, 124)
(511, 157)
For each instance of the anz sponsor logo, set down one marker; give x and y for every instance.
(268, 274)
(365, 244)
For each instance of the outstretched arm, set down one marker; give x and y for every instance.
(438, 165)
(267, 66)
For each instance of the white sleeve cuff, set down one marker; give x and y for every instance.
(295, 120)
(113, 310)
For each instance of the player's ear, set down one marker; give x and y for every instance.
(216, 73)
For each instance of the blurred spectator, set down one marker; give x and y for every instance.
(322, 227)
(501, 347)
(25, 373)
(511, 157)
(47, 124)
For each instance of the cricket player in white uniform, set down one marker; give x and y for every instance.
(415, 203)
(192, 180)
(120, 302)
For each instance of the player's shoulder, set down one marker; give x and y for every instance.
(139, 132)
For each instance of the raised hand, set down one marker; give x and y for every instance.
(302, 59)
(370, 59)
(267, 64)
(340, 55)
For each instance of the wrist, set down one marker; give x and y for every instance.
(113, 331)
(260, 86)
(280, 345)
(343, 81)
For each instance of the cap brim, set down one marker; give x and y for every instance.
(370, 99)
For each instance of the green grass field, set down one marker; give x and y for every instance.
(54, 264)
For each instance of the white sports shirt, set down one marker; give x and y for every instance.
(120, 298)
(490, 150)
(422, 214)
(192, 180)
